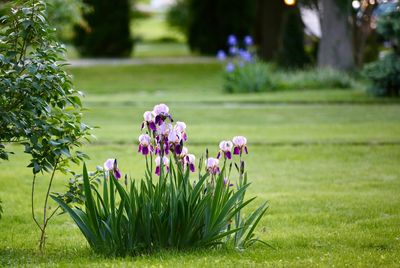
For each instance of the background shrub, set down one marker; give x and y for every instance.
(385, 73)
(252, 77)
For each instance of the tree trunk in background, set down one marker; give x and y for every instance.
(269, 27)
(336, 45)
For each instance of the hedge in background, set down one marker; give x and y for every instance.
(106, 32)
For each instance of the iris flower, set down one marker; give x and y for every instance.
(158, 164)
(190, 161)
(149, 120)
(161, 112)
(180, 127)
(111, 165)
(212, 165)
(144, 144)
(226, 148)
(239, 144)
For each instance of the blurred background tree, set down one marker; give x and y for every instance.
(107, 29)
(208, 23)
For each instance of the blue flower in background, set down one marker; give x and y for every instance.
(230, 67)
(233, 51)
(248, 40)
(232, 41)
(245, 55)
(221, 55)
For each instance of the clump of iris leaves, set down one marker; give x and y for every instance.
(169, 212)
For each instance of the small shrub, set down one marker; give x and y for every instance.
(168, 208)
(244, 73)
(249, 78)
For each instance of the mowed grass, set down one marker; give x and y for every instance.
(328, 164)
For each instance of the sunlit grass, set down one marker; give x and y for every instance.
(327, 161)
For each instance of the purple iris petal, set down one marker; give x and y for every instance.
(152, 126)
(140, 148)
(145, 150)
(236, 150)
(184, 136)
(117, 173)
(191, 167)
(166, 147)
(245, 149)
(228, 155)
(219, 155)
(159, 120)
(178, 149)
(158, 171)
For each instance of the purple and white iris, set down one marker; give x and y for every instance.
(190, 161)
(144, 144)
(175, 140)
(226, 148)
(111, 165)
(212, 166)
(158, 164)
(180, 127)
(239, 145)
(161, 112)
(149, 118)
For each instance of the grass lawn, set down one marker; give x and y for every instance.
(327, 161)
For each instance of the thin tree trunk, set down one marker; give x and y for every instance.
(336, 45)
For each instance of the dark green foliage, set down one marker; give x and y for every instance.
(39, 107)
(174, 212)
(212, 21)
(292, 53)
(385, 73)
(107, 32)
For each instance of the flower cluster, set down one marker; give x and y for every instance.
(239, 55)
(165, 140)
(162, 137)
